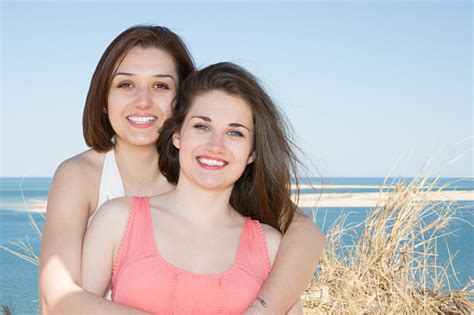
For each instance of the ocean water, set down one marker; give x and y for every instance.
(459, 239)
(18, 279)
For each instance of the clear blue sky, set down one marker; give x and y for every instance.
(362, 82)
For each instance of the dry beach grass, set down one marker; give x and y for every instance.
(391, 264)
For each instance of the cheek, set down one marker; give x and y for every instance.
(166, 105)
(188, 147)
(166, 112)
(115, 104)
(110, 102)
(188, 142)
(242, 152)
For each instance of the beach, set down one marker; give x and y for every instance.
(337, 200)
(372, 199)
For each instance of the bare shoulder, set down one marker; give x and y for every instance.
(162, 201)
(271, 234)
(77, 180)
(114, 211)
(83, 165)
(273, 238)
(304, 227)
(111, 218)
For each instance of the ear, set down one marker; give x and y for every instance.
(173, 102)
(251, 158)
(176, 140)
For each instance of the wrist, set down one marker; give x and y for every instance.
(260, 306)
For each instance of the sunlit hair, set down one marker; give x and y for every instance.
(263, 192)
(97, 129)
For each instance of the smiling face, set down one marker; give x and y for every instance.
(215, 140)
(141, 95)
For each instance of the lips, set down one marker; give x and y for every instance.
(211, 163)
(141, 121)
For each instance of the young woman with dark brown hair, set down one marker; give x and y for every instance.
(130, 96)
(206, 246)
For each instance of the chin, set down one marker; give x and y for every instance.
(213, 185)
(144, 140)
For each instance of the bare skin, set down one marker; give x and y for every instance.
(62, 243)
(73, 198)
(108, 226)
(138, 89)
(194, 219)
(294, 266)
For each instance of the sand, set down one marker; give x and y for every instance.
(372, 198)
(340, 200)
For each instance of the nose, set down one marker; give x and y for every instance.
(216, 143)
(143, 98)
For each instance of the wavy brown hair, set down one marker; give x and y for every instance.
(263, 192)
(97, 129)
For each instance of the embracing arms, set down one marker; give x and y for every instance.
(274, 240)
(294, 266)
(101, 244)
(61, 246)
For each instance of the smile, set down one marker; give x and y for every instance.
(141, 120)
(211, 162)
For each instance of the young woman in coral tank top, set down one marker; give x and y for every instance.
(206, 246)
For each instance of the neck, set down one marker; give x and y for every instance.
(204, 207)
(139, 159)
(138, 167)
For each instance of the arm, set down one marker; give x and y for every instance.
(103, 236)
(61, 246)
(294, 266)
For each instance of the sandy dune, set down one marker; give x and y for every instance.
(370, 199)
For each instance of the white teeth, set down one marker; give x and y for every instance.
(211, 162)
(141, 120)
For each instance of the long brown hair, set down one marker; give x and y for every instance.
(263, 192)
(97, 129)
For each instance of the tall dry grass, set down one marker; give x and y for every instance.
(389, 263)
(23, 248)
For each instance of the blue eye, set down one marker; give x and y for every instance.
(235, 133)
(201, 127)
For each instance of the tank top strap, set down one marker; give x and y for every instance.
(252, 253)
(111, 185)
(137, 241)
(142, 233)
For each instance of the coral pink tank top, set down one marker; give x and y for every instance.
(142, 279)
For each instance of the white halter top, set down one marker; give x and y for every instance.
(111, 185)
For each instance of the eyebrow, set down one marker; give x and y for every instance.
(155, 75)
(207, 119)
